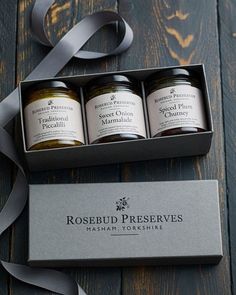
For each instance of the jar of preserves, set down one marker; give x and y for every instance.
(175, 102)
(114, 109)
(52, 116)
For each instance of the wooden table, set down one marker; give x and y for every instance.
(166, 33)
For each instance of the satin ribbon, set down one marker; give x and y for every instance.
(68, 46)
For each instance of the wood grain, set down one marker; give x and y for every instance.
(166, 33)
(8, 12)
(169, 33)
(227, 29)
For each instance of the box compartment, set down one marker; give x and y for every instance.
(125, 151)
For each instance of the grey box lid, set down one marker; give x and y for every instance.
(146, 228)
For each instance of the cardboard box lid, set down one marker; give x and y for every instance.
(86, 223)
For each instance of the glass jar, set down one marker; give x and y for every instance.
(175, 103)
(52, 116)
(114, 109)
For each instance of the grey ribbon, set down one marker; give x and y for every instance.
(69, 46)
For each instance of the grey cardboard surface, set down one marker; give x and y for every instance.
(126, 151)
(124, 223)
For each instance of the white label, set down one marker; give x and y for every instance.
(48, 119)
(115, 113)
(174, 107)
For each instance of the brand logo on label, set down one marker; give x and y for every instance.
(113, 97)
(122, 222)
(122, 204)
(50, 102)
(172, 90)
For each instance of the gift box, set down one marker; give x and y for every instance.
(123, 151)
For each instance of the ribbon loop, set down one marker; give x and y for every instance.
(38, 24)
(48, 279)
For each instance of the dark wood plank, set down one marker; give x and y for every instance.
(8, 13)
(170, 33)
(63, 15)
(227, 29)
(162, 47)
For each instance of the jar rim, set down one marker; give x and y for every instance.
(168, 73)
(51, 84)
(109, 79)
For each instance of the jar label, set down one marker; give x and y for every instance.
(53, 118)
(115, 113)
(175, 107)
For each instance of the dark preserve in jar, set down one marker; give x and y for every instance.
(114, 109)
(52, 116)
(175, 102)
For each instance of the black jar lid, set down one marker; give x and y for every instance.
(50, 84)
(169, 73)
(112, 79)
